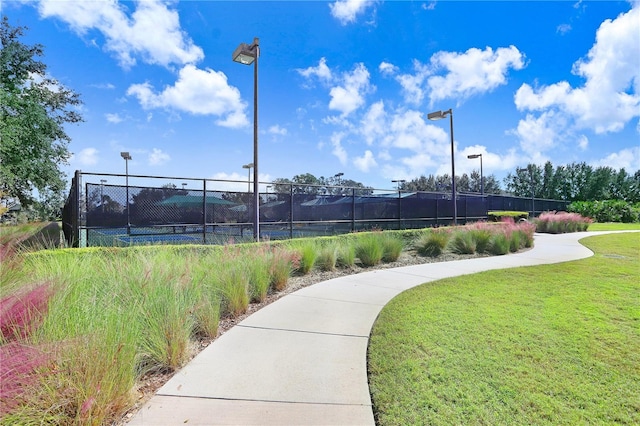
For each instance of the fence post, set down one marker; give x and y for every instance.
(76, 210)
(353, 210)
(204, 211)
(291, 211)
(399, 209)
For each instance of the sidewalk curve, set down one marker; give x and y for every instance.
(302, 359)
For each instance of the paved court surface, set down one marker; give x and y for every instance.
(302, 359)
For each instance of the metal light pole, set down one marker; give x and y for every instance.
(471, 157)
(398, 182)
(248, 167)
(247, 54)
(127, 157)
(437, 115)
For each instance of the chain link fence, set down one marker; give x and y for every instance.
(118, 210)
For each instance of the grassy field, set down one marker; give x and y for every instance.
(614, 227)
(553, 344)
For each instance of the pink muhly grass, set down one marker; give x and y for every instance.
(18, 365)
(20, 315)
(560, 222)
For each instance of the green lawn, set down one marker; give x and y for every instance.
(614, 226)
(553, 344)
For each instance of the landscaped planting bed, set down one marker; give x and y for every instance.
(87, 333)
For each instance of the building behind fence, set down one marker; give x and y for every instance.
(118, 210)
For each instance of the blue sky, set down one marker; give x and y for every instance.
(344, 86)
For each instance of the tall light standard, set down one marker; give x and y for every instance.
(127, 157)
(248, 167)
(398, 182)
(471, 157)
(248, 54)
(437, 115)
(102, 182)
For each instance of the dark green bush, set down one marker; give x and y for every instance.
(607, 210)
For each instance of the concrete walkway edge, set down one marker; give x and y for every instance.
(302, 359)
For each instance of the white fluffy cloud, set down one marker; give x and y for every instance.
(627, 158)
(366, 162)
(113, 118)
(322, 71)
(277, 130)
(346, 11)
(200, 92)
(151, 32)
(349, 96)
(472, 72)
(338, 149)
(158, 158)
(453, 75)
(610, 96)
(87, 157)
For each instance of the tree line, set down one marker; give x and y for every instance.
(574, 182)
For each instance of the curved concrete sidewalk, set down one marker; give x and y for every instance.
(302, 359)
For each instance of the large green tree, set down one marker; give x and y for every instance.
(464, 183)
(574, 182)
(34, 108)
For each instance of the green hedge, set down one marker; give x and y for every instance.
(497, 216)
(607, 210)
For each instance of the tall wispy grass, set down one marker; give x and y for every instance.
(370, 248)
(561, 222)
(432, 242)
(85, 325)
(327, 257)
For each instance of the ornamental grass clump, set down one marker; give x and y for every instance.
(327, 258)
(370, 249)
(22, 313)
(308, 252)
(463, 242)
(432, 243)
(346, 254)
(392, 247)
(233, 280)
(561, 222)
(283, 262)
(482, 238)
(499, 243)
(258, 267)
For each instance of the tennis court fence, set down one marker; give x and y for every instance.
(122, 210)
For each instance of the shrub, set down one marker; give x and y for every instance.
(463, 242)
(432, 243)
(499, 216)
(392, 247)
(369, 248)
(607, 210)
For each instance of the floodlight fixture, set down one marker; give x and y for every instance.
(437, 115)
